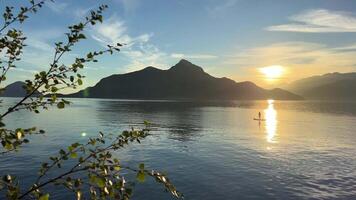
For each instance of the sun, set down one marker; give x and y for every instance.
(272, 72)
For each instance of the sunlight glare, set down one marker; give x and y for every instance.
(272, 72)
(271, 122)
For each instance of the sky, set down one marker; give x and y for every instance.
(237, 39)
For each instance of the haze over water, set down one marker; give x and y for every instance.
(212, 150)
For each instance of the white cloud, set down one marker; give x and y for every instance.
(319, 21)
(57, 6)
(221, 7)
(39, 49)
(145, 55)
(130, 6)
(114, 30)
(137, 49)
(41, 39)
(39, 44)
(346, 48)
(30, 71)
(193, 56)
(80, 13)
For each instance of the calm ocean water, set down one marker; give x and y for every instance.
(304, 150)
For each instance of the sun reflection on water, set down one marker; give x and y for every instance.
(271, 122)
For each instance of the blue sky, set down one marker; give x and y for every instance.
(231, 38)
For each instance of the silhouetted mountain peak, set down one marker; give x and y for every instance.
(182, 81)
(150, 69)
(248, 83)
(17, 83)
(184, 61)
(14, 90)
(186, 66)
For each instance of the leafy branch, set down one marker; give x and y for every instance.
(102, 168)
(104, 172)
(13, 40)
(58, 76)
(12, 139)
(10, 18)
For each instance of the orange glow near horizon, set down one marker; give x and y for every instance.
(272, 72)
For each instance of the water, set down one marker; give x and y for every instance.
(304, 150)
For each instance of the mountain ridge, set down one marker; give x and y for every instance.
(330, 86)
(184, 80)
(14, 89)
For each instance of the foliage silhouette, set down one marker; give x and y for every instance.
(96, 174)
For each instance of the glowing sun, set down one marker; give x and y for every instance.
(272, 72)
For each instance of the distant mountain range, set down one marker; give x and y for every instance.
(14, 90)
(182, 81)
(188, 81)
(332, 86)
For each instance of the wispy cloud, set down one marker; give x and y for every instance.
(319, 21)
(114, 30)
(39, 48)
(39, 44)
(80, 13)
(145, 55)
(129, 6)
(30, 71)
(193, 56)
(221, 7)
(346, 48)
(138, 50)
(42, 39)
(57, 7)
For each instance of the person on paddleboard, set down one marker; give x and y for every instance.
(259, 115)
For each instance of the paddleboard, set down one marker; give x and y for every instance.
(259, 119)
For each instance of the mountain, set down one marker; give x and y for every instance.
(14, 90)
(332, 86)
(182, 81)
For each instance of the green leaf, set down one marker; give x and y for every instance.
(90, 55)
(142, 166)
(81, 36)
(73, 155)
(54, 89)
(53, 97)
(80, 82)
(146, 123)
(60, 105)
(141, 176)
(9, 146)
(100, 182)
(65, 101)
(44, 197)
(92, 179)
(62, 152)
(70, 148)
